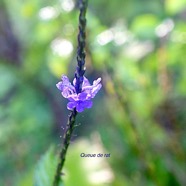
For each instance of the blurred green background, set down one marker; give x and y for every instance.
(138, 48)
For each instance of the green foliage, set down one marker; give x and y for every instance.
(138, 48)
(45, 170)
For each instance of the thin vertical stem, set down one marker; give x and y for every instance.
(80, 70)
(67, 136)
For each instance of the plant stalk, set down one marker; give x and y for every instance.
(80, 70)
(67, 137)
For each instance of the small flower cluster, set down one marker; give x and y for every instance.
(81, 100)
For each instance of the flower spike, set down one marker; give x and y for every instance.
(81, 100)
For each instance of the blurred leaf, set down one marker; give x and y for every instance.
(45, 170)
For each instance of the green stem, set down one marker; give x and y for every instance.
(80, 70)
(67, 136)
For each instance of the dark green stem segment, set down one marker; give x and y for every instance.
(67, 137)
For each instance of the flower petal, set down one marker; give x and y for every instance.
(82, 105)
(85, 82)
(66, 92)
(74, 81)
(65, 87)
(96, 82)
(82, 96)
(71, 105)
(65, 80)
(87, 104)
(72, 97)
(95, 90)
(92, 90)
(82, 100)
(79, 107)
(60, 86)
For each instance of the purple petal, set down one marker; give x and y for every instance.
(85, 82)
(74, 81)
(72, 97)
(65, 80)
(92, 90)
(82, 100)
(87, 104)
(82, 105)
(65, 87)
(96, 82)
(82, 96)
(95, 90)
(71, 105)
(65, 92)
(80, 108)
(60, 86)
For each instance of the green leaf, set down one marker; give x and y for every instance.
(45, 170)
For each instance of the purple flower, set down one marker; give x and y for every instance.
(82, 100)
